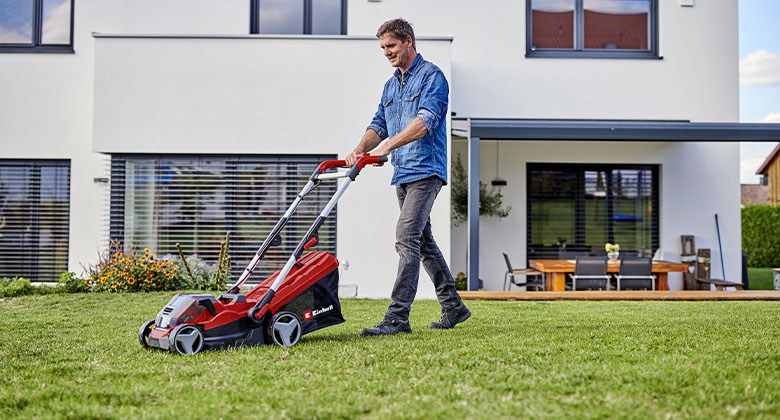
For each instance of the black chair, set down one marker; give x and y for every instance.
(590, 273)
(636, 273)
(533, 278)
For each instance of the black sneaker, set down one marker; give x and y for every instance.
(452, 317)
(388, 327)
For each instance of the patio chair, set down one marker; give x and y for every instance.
(533, 278)
(590, 273)
(636, 273)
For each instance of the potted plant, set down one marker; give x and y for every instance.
(613, 251)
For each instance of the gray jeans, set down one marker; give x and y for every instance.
(414, 243)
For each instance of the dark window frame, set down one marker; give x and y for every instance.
(254, 17)
(579, 203)
(579, 51)
(37, 46)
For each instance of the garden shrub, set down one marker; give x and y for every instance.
(71, 283)
(118, 271)
(203, 275)
(761, 235)
(19, 286)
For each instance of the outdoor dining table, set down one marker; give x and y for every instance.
(555, 272)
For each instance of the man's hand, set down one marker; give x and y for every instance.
(380, 152)
(369, 141)
(351, 158)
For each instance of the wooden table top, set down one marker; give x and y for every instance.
(567, 266)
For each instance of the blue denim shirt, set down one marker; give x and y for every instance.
(422, 93)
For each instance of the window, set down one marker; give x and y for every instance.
(34, 216)
(579, 208)
(319, 17)
(157, 201)
(36, 26)
(592, 28)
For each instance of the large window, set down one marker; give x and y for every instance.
(592, 28)
(293, 17)
(34, 215)
(579, 208)
(36, 25)
(158, 201)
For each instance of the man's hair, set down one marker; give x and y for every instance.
(399, 29)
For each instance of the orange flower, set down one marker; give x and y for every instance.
(146, 250)
(131, 281)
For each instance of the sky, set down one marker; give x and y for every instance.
(759, 84)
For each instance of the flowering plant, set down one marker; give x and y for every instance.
(129, 270)
(611, 247)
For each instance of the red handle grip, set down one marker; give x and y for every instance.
(329, 164)
(366, 159)
(362, 160)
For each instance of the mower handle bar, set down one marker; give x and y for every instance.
(318, 175)
(363, 160)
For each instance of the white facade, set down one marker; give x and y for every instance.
(201, 95)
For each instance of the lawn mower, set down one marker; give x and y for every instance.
(300, 298)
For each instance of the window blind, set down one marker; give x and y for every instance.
(158, 201)
(576, 209)
(34, 217)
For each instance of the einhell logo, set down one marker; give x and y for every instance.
(310, 314)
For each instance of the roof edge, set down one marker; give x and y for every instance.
(764, 166)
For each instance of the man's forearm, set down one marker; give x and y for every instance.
(369, 141)
(412, 132)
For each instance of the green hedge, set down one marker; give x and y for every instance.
(761, 235)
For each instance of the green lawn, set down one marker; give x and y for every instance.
(77, 356)
(761, 278)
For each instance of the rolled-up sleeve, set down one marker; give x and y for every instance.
(433, 100)
(378, 123)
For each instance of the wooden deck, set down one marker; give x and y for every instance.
(626, 295)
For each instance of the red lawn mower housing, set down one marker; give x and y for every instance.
(299, 298)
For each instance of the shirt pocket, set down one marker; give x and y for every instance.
(411, 104)
(387, 104)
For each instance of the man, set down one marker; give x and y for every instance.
(412, 116)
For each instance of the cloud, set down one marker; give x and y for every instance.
(760, 68)
(56, 24)
(772, 118)
(752, 155)
(10, 36)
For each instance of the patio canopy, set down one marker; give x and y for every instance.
(475, 129)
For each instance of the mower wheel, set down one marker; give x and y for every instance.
(144, 331)
(186, 340)
(285, 329)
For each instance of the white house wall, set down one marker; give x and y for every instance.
(265, 95)
(46, 99)
(46, 109)
(697, 78)
(697, 181)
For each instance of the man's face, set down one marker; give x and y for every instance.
(399, 53)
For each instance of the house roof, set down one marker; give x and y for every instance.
(764, 166)
(613, 130)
